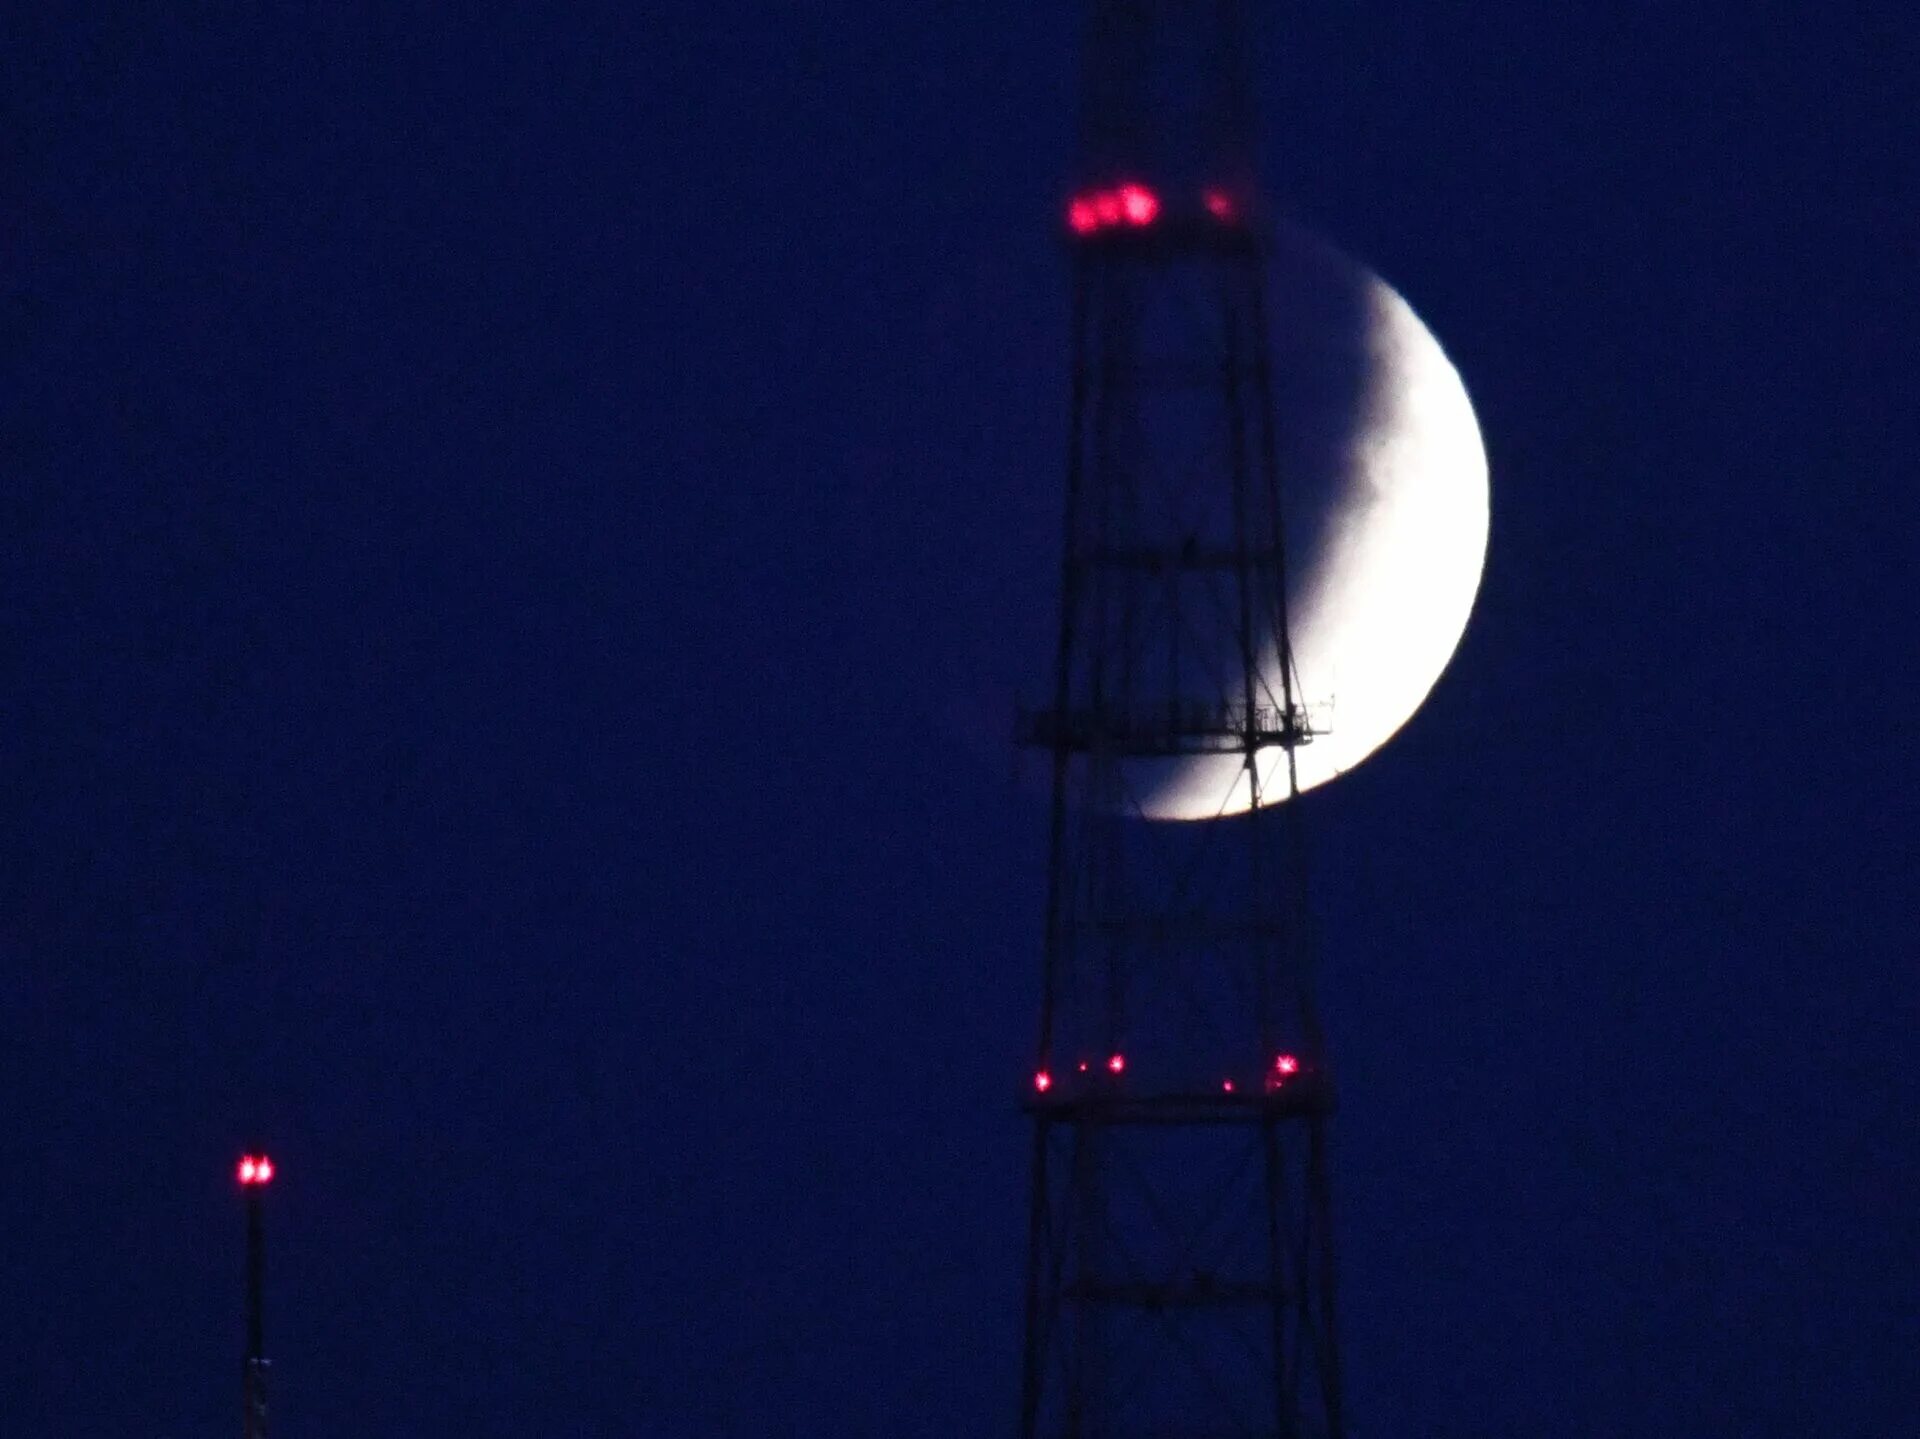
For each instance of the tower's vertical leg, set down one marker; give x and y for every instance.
(1083, 1377)
(1040, 1248)
(1276, 1195)
(1320, 1185)
(254, 1375)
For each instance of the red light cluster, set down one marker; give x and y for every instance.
(1285, 1067)
(1135, 206)
(1043, 1079)
(1130, 204)
(255, 1169)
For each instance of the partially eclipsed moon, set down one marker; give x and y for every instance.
(1385, 488)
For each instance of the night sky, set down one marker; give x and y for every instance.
(523, 536)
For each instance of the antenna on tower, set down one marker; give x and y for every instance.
(255, 1173)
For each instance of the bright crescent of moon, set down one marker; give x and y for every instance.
(1378, 605)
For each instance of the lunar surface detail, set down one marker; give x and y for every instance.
(1384, 488)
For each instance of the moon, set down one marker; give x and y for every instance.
(1384, 484)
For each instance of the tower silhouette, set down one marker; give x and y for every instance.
(1180, 1273)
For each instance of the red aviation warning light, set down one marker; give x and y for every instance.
(1132, 205)
(255, 1169)
(1285, 1067)
(1138, 204)
(1117, 1064)
(1043, 1081)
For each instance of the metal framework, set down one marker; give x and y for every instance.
(1180, 1275)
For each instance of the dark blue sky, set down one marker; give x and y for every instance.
(522, 537)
